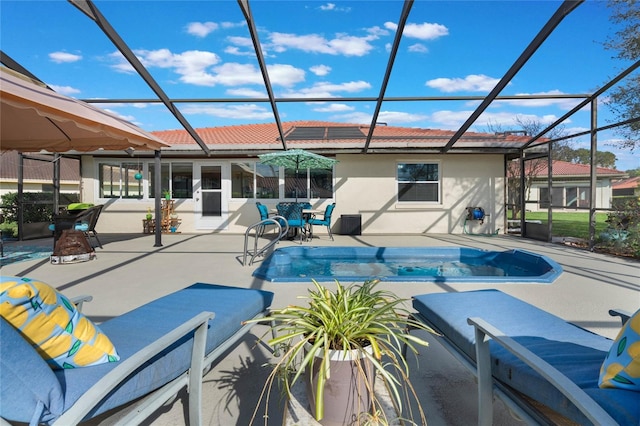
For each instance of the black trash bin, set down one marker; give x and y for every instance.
(351, 224)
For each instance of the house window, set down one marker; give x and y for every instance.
(308, 183)
(577, 196)
(117, 180)
(247, 182)
(262, 182)
(418, 182)
(177, 178)
(570, 196)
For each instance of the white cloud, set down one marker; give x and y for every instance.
(201, 29)
(328, 6)
(332, 7)
(234, 50)
(240, 41)
(334, 108)
(424, 31)
(65, 90)
(227, 25)
(320, 70)
(328, 90)
(240, 112)
(235, 74)
(396, 118)
(248, 93)
(191, 65)
(64, 57)
(342, 44)
(471, 83)
(418, 48)
(563, 103)
(377, 31)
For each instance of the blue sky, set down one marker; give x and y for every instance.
(202, 49)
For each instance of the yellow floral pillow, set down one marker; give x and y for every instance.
(621, 367)
(51, 323)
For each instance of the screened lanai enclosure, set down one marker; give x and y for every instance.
(242, 65)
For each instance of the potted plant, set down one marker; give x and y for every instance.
(358, 323)
(167, 194)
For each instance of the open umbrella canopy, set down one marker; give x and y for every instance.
(35, 118)
(297, 159)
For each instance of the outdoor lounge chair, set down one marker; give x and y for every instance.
(164, 345)
(540, 365)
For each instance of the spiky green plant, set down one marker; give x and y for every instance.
(350, 318)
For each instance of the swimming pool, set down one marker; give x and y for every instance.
(428, 264)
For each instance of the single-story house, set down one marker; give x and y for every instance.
(570, 187)
(37, 173)
(403, 183)
(627, 187)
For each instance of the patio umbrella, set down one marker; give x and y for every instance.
(34, 118)
(297, 159)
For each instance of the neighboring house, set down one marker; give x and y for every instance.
(570, 188)
(38, 173)
(404, 183)
(627, 187)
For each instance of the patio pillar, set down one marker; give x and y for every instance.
(157, 194)
(593, 174)
(20, 212)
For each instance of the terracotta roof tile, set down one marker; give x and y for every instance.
(267, 134)
(37, 170)
(633, 182)
(565, 168)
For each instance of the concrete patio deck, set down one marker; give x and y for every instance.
(129, 272)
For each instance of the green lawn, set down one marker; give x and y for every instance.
(571, 224)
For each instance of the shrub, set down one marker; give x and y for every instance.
(623, 233)
(37, 206)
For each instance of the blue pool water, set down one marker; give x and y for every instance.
(430, 264)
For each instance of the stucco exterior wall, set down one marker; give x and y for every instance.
(364, 185)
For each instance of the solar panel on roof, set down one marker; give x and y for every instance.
(344, 133)
(307, 133)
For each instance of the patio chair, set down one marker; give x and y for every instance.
(295, 219)
(92, 219)
(325, 221)
(545, 369)
(164, 346)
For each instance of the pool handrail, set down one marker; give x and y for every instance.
(273, 220)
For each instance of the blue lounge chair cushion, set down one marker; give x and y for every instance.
(140, 327)
(32, 393)
(130, 333)
(575, 352)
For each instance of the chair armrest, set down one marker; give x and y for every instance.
(105, 385)
(594, 412)
(79, 300)
(624, 315)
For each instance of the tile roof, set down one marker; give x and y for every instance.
(567, 169)
(633, 182)
(324, 134)
(36, 170)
